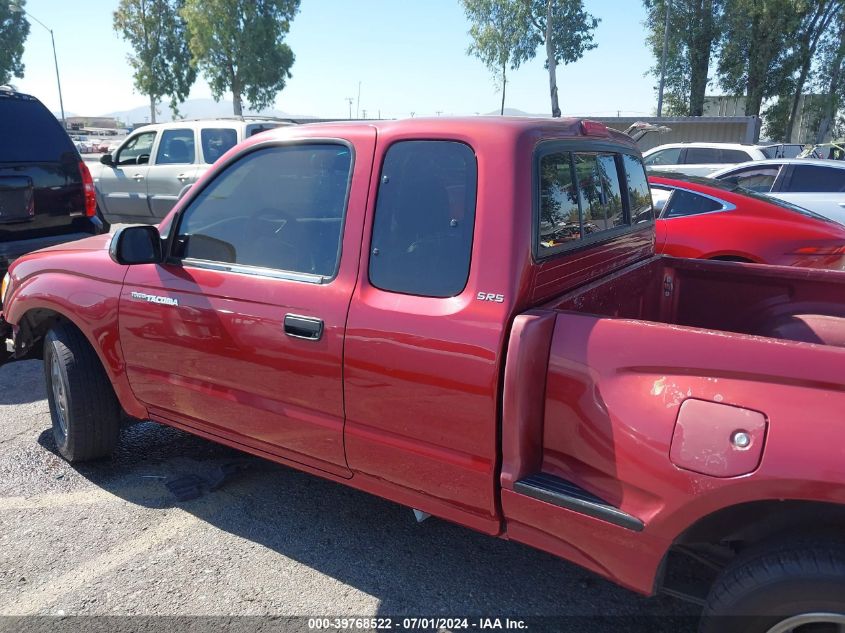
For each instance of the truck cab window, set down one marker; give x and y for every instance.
(599, 193)
(279, 208)
(580, 197)
(424, 219)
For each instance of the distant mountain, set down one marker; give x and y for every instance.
(195, 109)
(515, 112)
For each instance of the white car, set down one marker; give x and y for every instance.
(700, 159)
(141, 179)
(818, 185)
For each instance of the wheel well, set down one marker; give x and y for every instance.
(713, 541)
(34, 326)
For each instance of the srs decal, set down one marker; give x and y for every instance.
(489, 296)
(166, 301)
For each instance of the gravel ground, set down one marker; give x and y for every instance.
(109, 539)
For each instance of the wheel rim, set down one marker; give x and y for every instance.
(811, 622)
(59, 394)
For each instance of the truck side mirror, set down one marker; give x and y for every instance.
(137, 244)
(107, 159)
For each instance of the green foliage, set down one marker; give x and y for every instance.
(755, 59)
(239, 46)
(13, 31)
(571, 30)
(776, 119)
(694, 27)
(508, 33)
(830, 78)
(161, 61)
(496, 29)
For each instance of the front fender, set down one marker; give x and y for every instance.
(89, 302)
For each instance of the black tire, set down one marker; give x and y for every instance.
(775, 586)
(83, 407)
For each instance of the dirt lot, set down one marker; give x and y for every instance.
(108, 538)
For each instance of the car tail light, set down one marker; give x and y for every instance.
(593, 128)
(88, 188)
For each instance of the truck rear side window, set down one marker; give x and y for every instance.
(581, 198)
(424, 219)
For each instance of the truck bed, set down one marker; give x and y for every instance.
(787, 303)
(596, 381)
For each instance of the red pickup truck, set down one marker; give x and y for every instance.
(466, 316)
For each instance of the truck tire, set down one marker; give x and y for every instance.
(781, 589)
(83, 407)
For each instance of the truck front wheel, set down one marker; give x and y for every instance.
(83, 407)
(791, 589)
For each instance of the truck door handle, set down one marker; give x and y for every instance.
(306, 327)
(138, 177)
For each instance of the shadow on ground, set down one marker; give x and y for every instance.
(23, 382)
(433, 568)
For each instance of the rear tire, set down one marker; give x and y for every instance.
(783, 589)
(83, 407)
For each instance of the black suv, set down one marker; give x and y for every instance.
(46, 192)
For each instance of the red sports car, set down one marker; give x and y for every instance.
(711, 219)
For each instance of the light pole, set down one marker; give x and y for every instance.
(14, 6)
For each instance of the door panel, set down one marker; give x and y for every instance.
(221, 360)
(210, 348)
(830, 205)
(122, 188)
(164, 183)
(174, 167)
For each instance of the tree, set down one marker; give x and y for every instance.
(694, 27)
(14, 29)
(754, 59)
(496, 29)
(815, 18)
(161, 61)
(239, 46)
(831, 78)
(563, 27)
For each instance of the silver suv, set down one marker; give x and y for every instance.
(141, 180)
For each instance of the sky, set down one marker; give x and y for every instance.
(409, 57)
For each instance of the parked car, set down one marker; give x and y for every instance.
(815, 184)
(699, 159)
(405, 307)
(141, 180)
(46, 191)
(700, 217)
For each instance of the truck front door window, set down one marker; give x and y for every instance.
(279, 208)
(424, 220)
